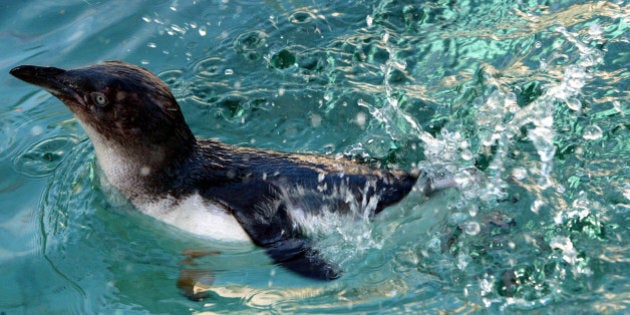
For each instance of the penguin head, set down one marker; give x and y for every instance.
(122, 103)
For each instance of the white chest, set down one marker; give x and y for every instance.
(193, 214)
(196, 216)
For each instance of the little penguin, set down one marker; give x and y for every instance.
(147, 152)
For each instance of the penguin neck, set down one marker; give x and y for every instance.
(142, 171)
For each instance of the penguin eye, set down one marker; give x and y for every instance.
(99, 98)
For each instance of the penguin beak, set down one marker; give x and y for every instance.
(49, 78)
(54, 80)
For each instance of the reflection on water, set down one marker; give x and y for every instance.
(524, 103)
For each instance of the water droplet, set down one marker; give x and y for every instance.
(228, 72)
(202, 31)
(37, 130)
(595, 30)
(462, 261)
(316, 120)
(566, 246)
(519, 173)
(617, 106)
(536, 206)
(178, 29)
(467, 155)
(592, 132)
(360, 119)
(574, 104)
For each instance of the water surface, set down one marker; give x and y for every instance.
(526, 102)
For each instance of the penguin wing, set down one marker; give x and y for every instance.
(266, 191)
(267, 221)
(266, 209)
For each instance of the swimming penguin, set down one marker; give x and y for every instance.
(147, 152)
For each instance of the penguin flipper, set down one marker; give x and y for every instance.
(285, 245)
(299, 256)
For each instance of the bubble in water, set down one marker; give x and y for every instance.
(471, 227)
(202, 31)
(592, 132)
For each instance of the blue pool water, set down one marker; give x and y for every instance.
(526, 102)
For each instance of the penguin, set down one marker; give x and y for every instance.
(215, 190)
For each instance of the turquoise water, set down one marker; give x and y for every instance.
(533, 95)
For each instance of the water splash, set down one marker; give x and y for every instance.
(398, 124)
(340, 222)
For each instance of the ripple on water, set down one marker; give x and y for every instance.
(302, 16)
(174, 79)
(452, 56)
(45, 156)
(209, 67)
(283, 59)
(250, 44)
(69, 174)
(592, 132)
